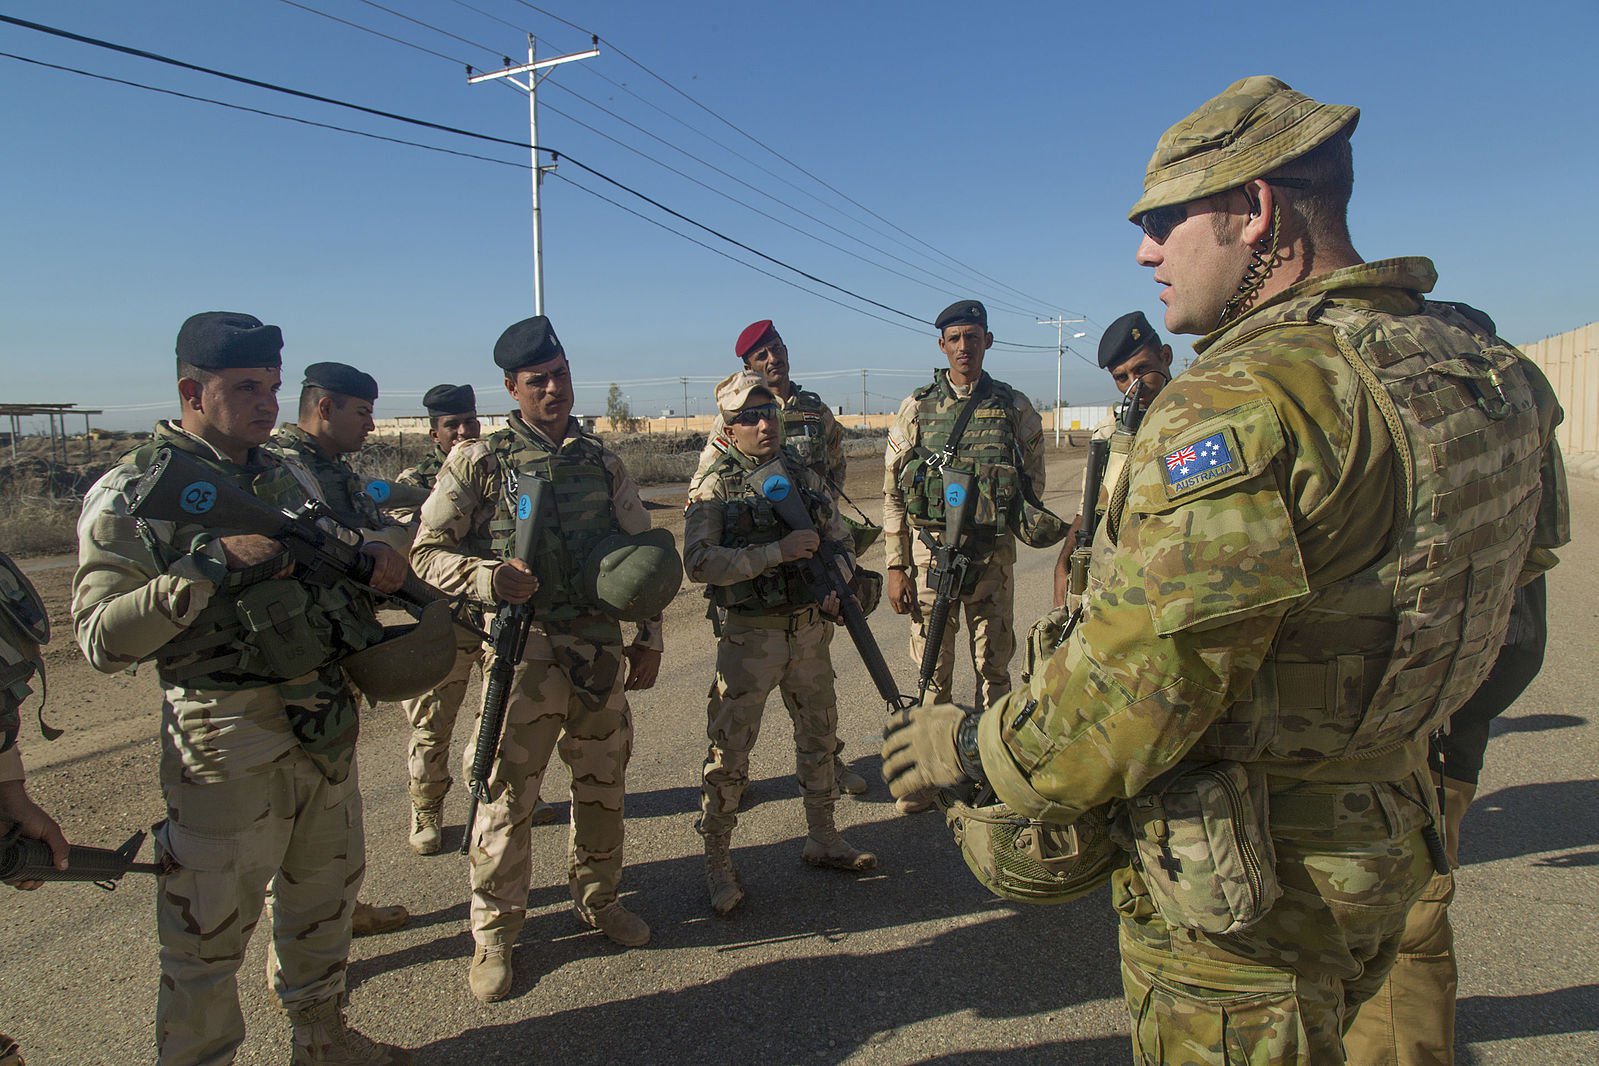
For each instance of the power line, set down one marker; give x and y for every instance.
(367, 29)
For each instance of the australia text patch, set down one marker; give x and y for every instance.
(1200, 463)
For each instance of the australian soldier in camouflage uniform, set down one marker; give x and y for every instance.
(257, 744)
(568, 692)
(335, 417)
(452, 420)
(1002, 444)
(1316, 539)
(809, 430)
(774, 634)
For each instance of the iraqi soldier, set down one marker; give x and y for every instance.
(258, 765)
(452, 420)
(1132, 351)
(809, 430)
(335, 417)
(568, 691)
(774, 634)
(1316, 540)
(1001, 441)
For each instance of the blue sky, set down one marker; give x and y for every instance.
(1008, 139)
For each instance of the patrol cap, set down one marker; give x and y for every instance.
(228, 340)
(450, 400)
(1125, 336)
(1251, 129)
(961, 313)
(734, 391)
(754, 334)
(343, 379)
(527, 343)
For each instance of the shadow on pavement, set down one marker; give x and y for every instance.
(1529, 819)
(1533, 723)
(1564, 1010)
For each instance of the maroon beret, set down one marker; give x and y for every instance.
(753, 334)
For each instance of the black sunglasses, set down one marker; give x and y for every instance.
(753, 416)
(1158, 222)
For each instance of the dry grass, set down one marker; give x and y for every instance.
(38, 525)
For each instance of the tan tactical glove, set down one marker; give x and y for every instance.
(929, 747)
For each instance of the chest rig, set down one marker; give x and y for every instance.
(804, 432)
(748, 520)
(986, 449)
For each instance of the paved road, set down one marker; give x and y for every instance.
(913, 965)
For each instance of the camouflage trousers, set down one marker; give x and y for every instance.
(566, 696)
(1351, 860)
(755, 655)
(1410, 1021)
(990, 618)
(432, 716)
(230, 839)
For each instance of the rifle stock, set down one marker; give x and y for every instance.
(508, 637)
(948, 572)
(773, 483)
(25, 859)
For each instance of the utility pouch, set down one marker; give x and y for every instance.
(283, 638)
(1204, 846)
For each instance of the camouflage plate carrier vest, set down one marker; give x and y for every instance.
(343, 489)
(256, 632)
(426, 473)
(581, 515)
(804, 431)
(747, 520)
(1372, 662)
(987, 449)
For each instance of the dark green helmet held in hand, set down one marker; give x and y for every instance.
(1028, 861)
(633, 576)
(409, 660)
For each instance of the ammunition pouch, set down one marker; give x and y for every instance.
(997, 485)
(1044, 639)
(1203, 844)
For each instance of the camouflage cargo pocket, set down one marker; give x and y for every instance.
(1204, 849)
(198, 905)
(1197, 1010)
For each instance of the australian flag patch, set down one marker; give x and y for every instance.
(1201, 462)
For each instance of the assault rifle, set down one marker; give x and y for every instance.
(508, 637)
(948, 572)
(772, 482)
(179, 488)
(25, 859)
(396, 494)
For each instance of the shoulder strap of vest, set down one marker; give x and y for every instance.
(1350, 327)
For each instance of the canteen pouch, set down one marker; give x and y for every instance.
(1203, 845)
(281, 638)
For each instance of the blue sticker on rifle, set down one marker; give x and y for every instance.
(954, 495)
(378, 490)
(775, 488)
(524, 507)
(198, 497)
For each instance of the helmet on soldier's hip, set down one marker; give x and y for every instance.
(409, 661)
(1028, 861)
(633, 576)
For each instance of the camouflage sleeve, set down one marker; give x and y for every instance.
(125, 605)
(896, 530)
(1189, 605)
(631, 517)
(462, 501)
(1553, 528)
(833, 433)
(704, 558)
(1030, 439)
(708, 453)
(409, 476)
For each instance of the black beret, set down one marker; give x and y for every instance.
(1125, 336)
(961, 313)
(528, 343)
(450, 400)
(342, 379)
(226, 340)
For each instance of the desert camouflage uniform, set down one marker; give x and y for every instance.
(809, 430)
(780, 645)
(1253, 618)
(259, 781)
(989, 592)
(566, 694)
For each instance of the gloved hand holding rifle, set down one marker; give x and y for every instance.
(514, 586)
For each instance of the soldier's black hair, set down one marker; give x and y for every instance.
(310, 394)
(189, 370)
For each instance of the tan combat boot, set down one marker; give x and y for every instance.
(322, 1039)
(727, 891)
(490, 975)
(849, 782)
(616, 922)
(427, 826)
(825, 847)
(369, 920)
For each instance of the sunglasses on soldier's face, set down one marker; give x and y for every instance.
(1158, 222)
(754, 416)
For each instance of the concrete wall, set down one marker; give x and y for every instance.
(1571, 362)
